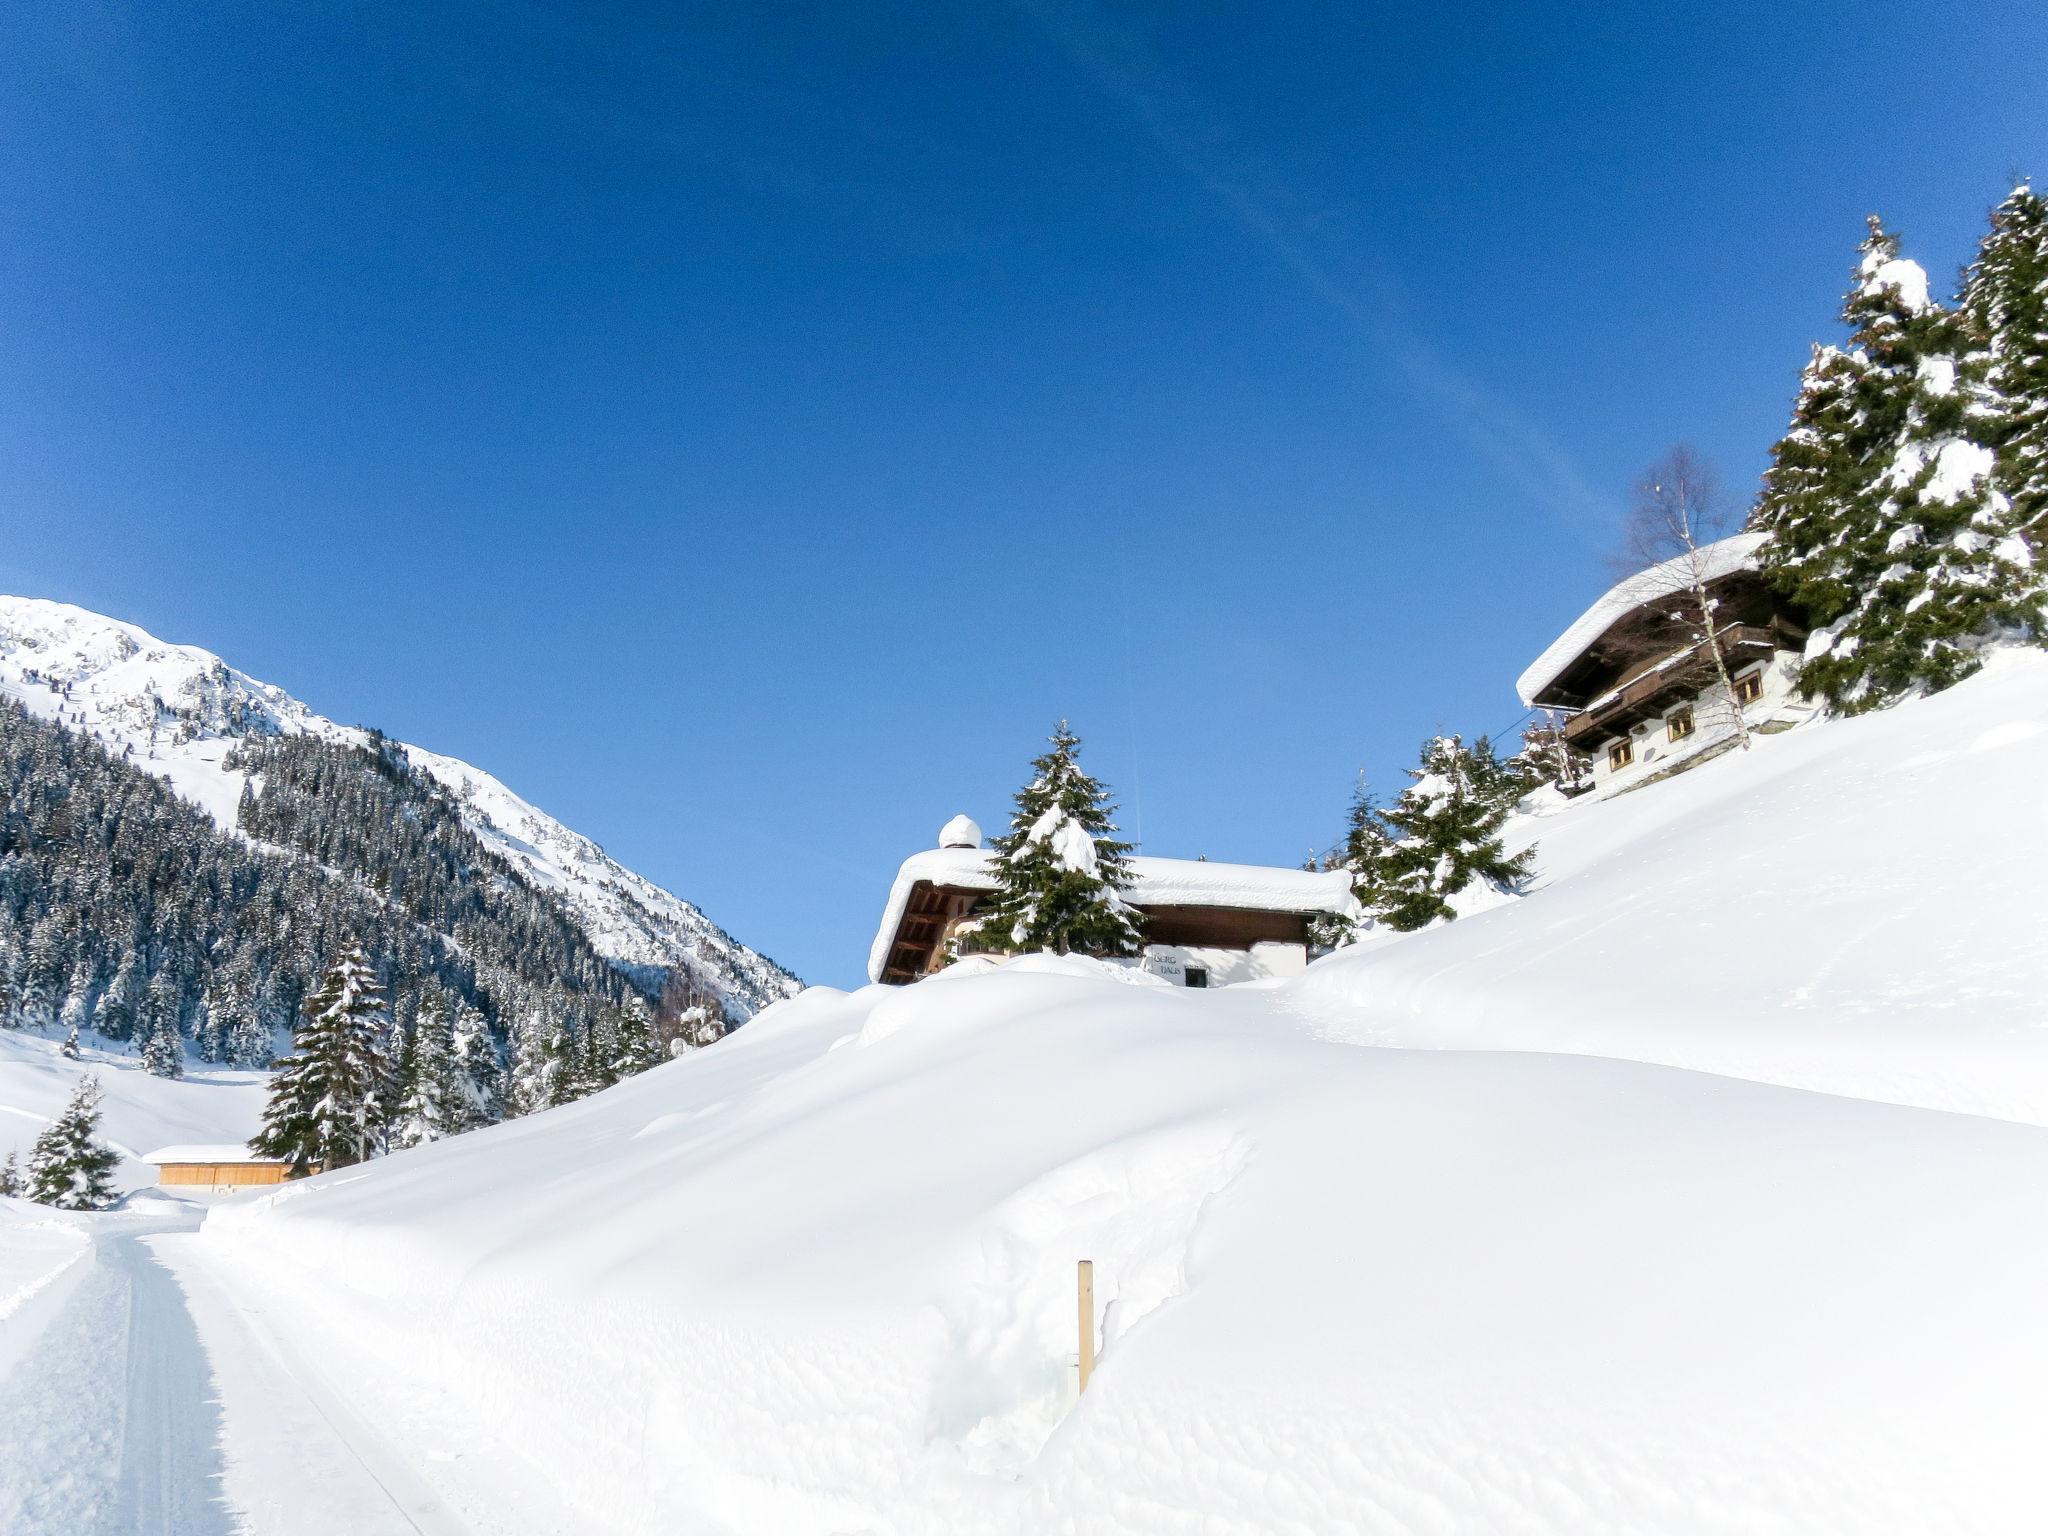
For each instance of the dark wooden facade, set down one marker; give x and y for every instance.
(1648, 659)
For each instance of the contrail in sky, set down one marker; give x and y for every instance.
(1122, 68)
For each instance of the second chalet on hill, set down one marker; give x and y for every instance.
(1639, 686)
(1206, 925)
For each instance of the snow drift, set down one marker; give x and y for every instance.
(820, 1277)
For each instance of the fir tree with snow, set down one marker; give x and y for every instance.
(1062, 870)
(163, 1044)
(69, 1167)
(115, 1016)
(326, 1097)
(10, 1178)
(476, 1080)
(2005, 298)
(1446, 829)
(429, 1107)
(1888, 521)
(10, 980)
(1363, 854)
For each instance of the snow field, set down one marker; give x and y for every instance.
(820, 1278)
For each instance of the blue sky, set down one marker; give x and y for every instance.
(746, 432)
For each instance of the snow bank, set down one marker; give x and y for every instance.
(820, 1278)
(137, 1113)
(1855, 906)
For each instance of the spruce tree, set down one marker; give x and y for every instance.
(163, 1044)
(325, 1097)
(69, 1167)
(476, 1079)
(428, 1108)
(1061, 868)
(1363, 854)
(2005, 298)
(10, 1178)
(1447, 829)
(1888, 520)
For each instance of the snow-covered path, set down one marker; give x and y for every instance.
(109, 1425)
(112, 1419)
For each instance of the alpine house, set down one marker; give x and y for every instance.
(1640, 682)
(1205, 924)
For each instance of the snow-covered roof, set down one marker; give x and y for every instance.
(1724, 557)
(207, 1152)
(1154, 883)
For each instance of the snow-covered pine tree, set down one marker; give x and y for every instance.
(1547, 758)
(10, 977)
(1447, 831)
(2005, 298)
(325, 1096)
(115, 1016)
(428, 1107)
(69, 1167)
(476, 1080)
(163, 1044)
(76, 1014)
(1888, 521)
(1062, 870)
(1363, 855)
(10, 1178)
(634, 1047)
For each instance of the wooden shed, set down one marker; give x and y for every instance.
(222, 1168)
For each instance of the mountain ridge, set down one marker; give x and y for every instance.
(177, 711)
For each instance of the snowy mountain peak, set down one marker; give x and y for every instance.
(178, 710)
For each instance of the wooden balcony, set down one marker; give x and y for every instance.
(1670, 682)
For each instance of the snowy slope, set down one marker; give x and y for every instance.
(1855, 906)
(138, 1112)
(179, 710)
(819, 1278)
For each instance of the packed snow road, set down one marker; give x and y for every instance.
(111, 1418)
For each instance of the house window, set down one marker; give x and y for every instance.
(1678, 724)
(1197, 977)
(1621, 754)
(1749, 687)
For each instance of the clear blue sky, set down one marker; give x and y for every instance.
(745, 432)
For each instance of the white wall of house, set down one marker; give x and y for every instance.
(1652, 749)
(1264, 961)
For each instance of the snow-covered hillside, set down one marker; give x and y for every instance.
(1486, 1277)
(178, 711)
(138, 1112)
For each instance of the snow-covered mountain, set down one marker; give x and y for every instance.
(177, 711)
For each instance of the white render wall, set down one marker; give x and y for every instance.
(1264, 961)
(1713, 723)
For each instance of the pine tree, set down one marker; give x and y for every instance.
(69, 1167)
(2005, 297)
(1447, 829)
(1363, 854)
(476, 1081)
(163, 1043)
(428, 1107)
(119, 1005)
(10, 977)
(325, 1096)
(634, 1048)
(10, 1178)
(1062, 870)
(1888, 522)
(1547, 758)
(76, 1013)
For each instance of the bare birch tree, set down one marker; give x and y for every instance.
(1678, 511)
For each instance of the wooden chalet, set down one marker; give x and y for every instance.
(1205, 924)
(1637, 683)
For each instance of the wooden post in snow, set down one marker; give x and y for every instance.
(1087, 1309)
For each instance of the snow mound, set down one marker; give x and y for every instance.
(820, 1277)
